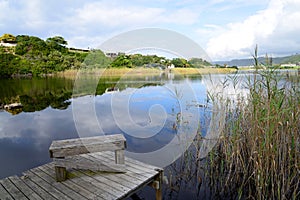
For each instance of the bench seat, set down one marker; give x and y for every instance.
(64, 153)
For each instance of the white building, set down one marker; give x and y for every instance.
(7, 44)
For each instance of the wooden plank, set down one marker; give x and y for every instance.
(132, 171)
(137, 165)
(147, 166)
(28, 192)
(88, 184)
(79, 188)
(12, 189)
(46, 186)
(40, 191)
(63, 148)
(94, 186)
(155, 175)
(80, 162)
(4, 194)
(110, 187)
(61, 187)
(124, 182)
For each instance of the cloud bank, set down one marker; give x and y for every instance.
(274, 29)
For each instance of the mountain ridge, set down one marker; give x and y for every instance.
(292, 59)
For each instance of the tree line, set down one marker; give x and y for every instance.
(34, 56)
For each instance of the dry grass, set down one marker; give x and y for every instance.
(190, 71)
(143, 71)
(110, 72)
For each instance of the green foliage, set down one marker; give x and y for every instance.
(57, 43)
(199, 63)
(180, 62)
(96, 59)
(122, 61)
(6, 61)
(139, 60)
(36, 56)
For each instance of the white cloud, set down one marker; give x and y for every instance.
(273, 29)
(96, 21)
(238, 38)
(101, 13)
(111, 15)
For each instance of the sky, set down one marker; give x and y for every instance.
(225, 29)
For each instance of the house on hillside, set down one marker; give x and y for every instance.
(288, 65)
(7, 44)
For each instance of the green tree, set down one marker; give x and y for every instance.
(180, 62)
(96, 59)
(122, 61)
(198, 62)
(58, 40)
(57, 43)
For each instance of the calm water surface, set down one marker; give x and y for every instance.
(154, 103)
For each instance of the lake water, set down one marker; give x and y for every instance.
(159, 116)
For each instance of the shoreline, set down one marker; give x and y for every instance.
(144, 71)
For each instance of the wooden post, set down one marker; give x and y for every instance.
(60, 172)
(119, 156)
(158, 185)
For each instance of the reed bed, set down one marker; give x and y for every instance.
(207, 70)
(258, 153)
(110, 72)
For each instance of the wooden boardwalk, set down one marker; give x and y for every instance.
(40, 182)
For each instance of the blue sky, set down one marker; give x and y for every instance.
(225, 29)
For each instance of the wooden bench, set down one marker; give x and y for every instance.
(64, 153)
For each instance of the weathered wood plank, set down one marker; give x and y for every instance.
(112, 188)
(28, 192)
(40, 191)
(127, 159)
(12, 189)
(138, 166)
(135, 179)
(108, 184)
(4, 194)
(79, 188)
(94, 186)
(63, 148)
(137, 174)
(46, 186)
(79, 162)
(61, 187)
(86, 184)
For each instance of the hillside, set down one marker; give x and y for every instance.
(25, 55)
(293, 59)
(30, 55)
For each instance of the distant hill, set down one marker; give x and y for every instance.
(293, 59)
